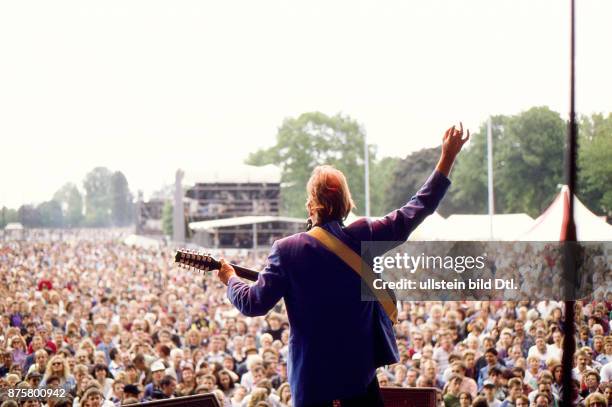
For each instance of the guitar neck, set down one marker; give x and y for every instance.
(205, 262)
(245, 273)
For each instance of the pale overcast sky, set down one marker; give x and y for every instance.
(149, 86)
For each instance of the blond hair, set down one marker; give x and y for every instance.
(329, 197)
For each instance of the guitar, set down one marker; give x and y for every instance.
(205, 262)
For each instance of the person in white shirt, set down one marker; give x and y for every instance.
(546, 307)
(253, 362)
(606, 372)
(443, 350)
(556, 349)
(581, 365)
(541, 350)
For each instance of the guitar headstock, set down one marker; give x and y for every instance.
(192, 259)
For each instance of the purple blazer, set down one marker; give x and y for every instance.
(337, 340)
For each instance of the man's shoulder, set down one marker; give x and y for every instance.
(290, 240)
(297, 240)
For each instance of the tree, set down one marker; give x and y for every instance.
(382, 183)
(121, 200)
(28, 216)
(468, 192)
(7, 216)
(97, 185)
(307, 141)
(410, 173)
(531, 158)
(51, 215)
(595, 163)
(71, 202)
(167, 217)
(528, 152)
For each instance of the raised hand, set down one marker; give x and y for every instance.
(452, 142)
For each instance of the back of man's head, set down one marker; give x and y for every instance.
(329, 197)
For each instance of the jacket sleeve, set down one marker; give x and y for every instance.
(398, 225)
(258, 298)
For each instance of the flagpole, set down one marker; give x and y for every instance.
(568, 233)
(366, 158)
(490, 177)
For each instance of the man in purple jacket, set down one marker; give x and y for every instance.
(337, 340)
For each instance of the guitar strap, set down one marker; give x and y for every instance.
(353, 260)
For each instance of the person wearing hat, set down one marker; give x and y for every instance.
(158, 370)
(489, 390)
(33, 378)
(322, 292)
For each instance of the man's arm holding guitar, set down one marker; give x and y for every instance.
(256, 299)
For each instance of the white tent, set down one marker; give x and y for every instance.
(141, 241)
(547, 227)
(477, 227)
(13, 226)
(432, 227)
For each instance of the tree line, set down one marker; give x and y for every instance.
(528, 164)
(107, 202)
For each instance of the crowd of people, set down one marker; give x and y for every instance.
(86, 320)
